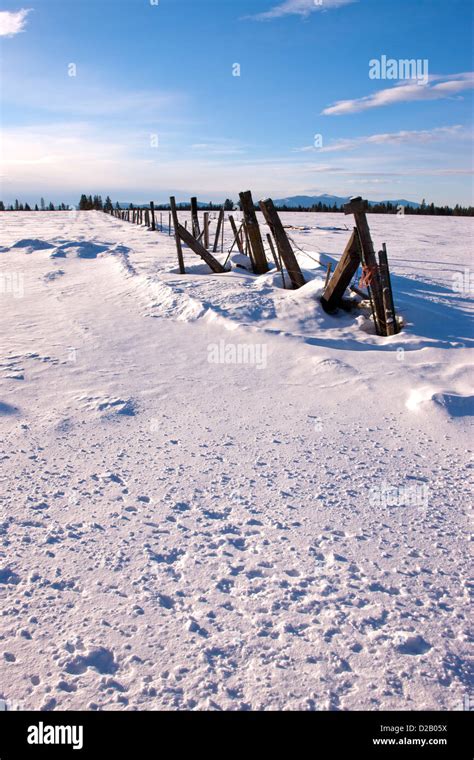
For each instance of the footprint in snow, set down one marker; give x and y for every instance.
(413, 645)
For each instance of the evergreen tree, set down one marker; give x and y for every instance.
(42, 204)
(228, 205)
(50, 207)
(2, 206)
(36, 207)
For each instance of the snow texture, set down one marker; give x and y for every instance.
(215, 495)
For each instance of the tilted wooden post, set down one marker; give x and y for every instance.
(152, 210)
(237, 239)
(260, 262)
(272, 248)
(218, 230)
(179, 250)
(206, 229)
(283, 244)
(356, 206)
(195, 246)
(387, 293)
(343, 274)
(195, 218)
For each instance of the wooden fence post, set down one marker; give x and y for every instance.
(195, 218)
(343, 274)
(356, 206)
(206, 229)
(253, 231)
(176, 234)
(195, 246)
(272, 248)
(283, 244)
(152, 211)
(237, 239)
(389, 306)
(218, 230)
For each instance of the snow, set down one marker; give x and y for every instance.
(215, 495)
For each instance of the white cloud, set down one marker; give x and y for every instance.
(300, 8)
(61, 160)
(449, 86)
(219, 148)
(403, 137)
(12, 22)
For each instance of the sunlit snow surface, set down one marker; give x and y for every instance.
(283, 526)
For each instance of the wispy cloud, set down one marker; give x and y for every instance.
(445, 87)
(219, 148)
(12, 22)
(403, 137)
(299, 8)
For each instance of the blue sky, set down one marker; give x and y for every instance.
(155, 107)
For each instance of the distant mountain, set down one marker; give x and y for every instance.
(292, 202)
(183, 204)
(310, 200)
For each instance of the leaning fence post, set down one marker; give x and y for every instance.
(253, 232)
(357, 207)
(195, 218)
(237, 239)
(272, 248)
(176, 234)
(218, 230)
(285, 250)
(389, 306)
(344, 272)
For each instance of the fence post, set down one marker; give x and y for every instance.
(272, 248)
(253, 232)
(237, 239)
(176, 234)
(218, 230)
(356, 206)
(195, 246)
(206, 229)
(343, 274)
(195, 218)
(283, 244)
(152, 210)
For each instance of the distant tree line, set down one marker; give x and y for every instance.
(17, 206)
(423, 209)
(95, 203)
(89, 203)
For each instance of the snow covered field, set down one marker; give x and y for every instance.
(214, 495)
